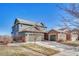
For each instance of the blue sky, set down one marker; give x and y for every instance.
(46, 13)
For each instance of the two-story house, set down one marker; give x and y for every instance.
(24, 30)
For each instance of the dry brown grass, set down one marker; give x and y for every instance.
(71, 43)
(13, 51)
(41, 49)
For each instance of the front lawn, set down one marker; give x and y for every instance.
(14, 51)
(41, 49)
(11, 51)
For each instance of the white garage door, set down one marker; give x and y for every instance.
(34, 37)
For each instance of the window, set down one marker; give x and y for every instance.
(21, 25)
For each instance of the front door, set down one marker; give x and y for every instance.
(52, 37)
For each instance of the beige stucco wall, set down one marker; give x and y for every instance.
(61, 36)
(74, 36)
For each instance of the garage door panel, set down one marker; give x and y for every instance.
(35, 37)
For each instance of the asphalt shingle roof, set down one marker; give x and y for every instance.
(28, 22)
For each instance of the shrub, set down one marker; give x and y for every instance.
(5, 40)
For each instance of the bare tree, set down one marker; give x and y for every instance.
(65, 22)
(73, 10)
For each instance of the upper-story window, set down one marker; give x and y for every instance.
(21, 25)
(16, 28)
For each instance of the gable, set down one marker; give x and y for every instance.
(16, 21)
(53, 31)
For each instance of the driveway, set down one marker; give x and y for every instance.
(66, 50)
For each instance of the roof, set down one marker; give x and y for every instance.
(34, 29)
(75, 30)
(53, 30)
(64, 30)
(28, 22)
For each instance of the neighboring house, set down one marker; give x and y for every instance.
(63, 34)
(56, 35)
(75, 34)
(24, 30)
